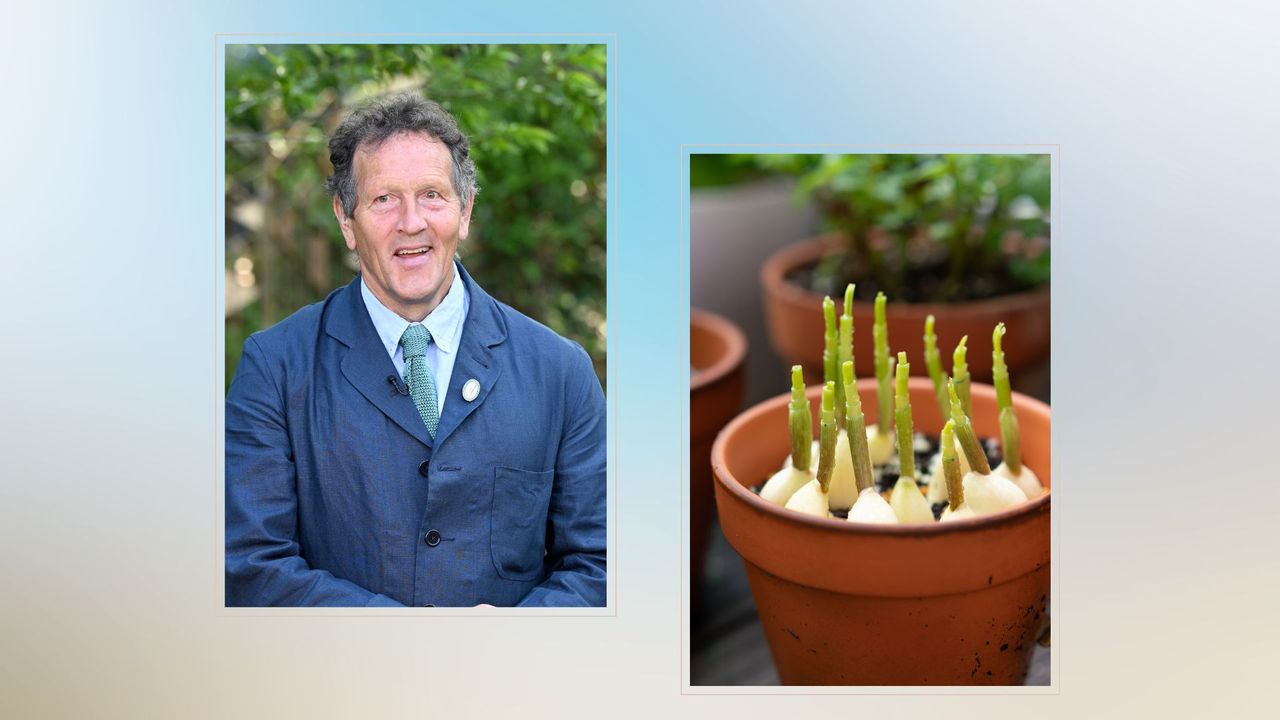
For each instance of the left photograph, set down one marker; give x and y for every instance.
(414, 290)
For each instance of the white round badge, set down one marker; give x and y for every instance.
(470, 389)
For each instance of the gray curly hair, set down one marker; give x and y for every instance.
(373, 123)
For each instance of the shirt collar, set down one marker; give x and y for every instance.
(444, 322)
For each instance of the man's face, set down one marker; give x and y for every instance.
(407, 222)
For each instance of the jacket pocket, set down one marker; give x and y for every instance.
(518, 521)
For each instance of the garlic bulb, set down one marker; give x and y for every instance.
(908, 503)
(784, 483)
(1026, 480)
(986, 494)
(790, 463)
(810, 500)
(879, 445)
(871, 508)
(963, 513)
(843, 490)
(937, 481)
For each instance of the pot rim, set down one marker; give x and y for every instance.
(773, 275)
(1010, 516)
(735, 352)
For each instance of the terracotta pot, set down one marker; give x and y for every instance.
(960, 603)
(717, 349)
(794, 317)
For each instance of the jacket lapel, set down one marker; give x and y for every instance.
(366, 364)
(483, 330)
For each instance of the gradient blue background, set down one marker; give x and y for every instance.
(1164, 399)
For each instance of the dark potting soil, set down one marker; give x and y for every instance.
(925, 447)
(920, 283)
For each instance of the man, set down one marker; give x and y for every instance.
(409, 440)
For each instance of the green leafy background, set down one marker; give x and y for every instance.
(972, 216)
(536, 118)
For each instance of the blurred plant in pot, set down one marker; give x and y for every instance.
(741, 210)
(535, 115)
(929, 228)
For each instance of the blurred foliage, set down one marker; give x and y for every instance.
(920, 227)
(727, 169)
(535, 115)
(709, 171)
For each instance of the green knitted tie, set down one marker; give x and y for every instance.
(415, 340)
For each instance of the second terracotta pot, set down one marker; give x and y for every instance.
(794, 318)
(717, 353)
(842, 603)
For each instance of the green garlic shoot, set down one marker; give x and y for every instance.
(827, 436)
(984, 492)
(795, 474)
(856, 430)
(902, 420)
(907, 502)
(960, 373)
(937, 491)
(964, 433)
(951, 467)
(933, 363)
(1010, 435)
(829, 340)
(800, 421)
(811, 498)
(880, 336)
(956, 508)
(1010, 438)
(844, 353)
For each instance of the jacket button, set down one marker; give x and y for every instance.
(427, 605)
(433, 538)
(423, 467)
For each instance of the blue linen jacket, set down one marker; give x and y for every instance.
(336, 494)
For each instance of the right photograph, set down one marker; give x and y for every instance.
(869, 499)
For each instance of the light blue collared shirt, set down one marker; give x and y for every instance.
(444, 323)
